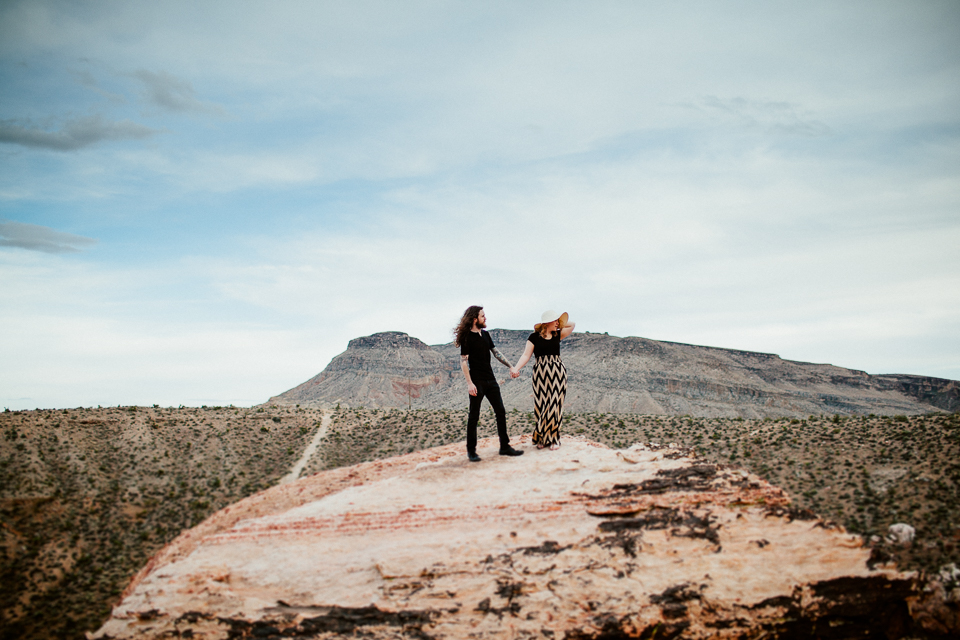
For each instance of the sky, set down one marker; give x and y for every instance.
(201, 203)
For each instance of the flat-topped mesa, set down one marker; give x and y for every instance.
(388, 339)
(388, 369)
(621, 375)
(582, 543)
(391, 353)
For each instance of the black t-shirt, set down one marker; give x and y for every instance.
(543, 347)
(477, 347)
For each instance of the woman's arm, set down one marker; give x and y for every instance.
(567, 330)
(525, 358)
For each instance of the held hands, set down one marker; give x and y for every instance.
(514, 372)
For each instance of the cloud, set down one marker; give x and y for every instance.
(85, 332)
(789, 188)
(87, 80)
(75, 134)
(169, 92)
(34, 237)
(770, 115)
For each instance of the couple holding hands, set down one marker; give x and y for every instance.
(549, 377)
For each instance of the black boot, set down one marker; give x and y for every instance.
(472, 455)
(510, 451)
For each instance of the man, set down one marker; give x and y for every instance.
(476, 345)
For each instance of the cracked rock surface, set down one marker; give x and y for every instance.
(581, 543)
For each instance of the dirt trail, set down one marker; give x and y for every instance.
(310, 450)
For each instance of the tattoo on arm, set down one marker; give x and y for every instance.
(499, 356)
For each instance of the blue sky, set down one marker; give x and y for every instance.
(202, 203)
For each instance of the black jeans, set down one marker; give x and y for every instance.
(491, 390)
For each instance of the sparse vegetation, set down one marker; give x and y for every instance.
(88, 495)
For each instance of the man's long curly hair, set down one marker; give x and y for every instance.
(466, 324)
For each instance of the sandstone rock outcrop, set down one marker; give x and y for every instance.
(622, 375)
(582, 543)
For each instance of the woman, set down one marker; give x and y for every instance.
(549, 376)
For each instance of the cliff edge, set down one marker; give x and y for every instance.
(582, 543)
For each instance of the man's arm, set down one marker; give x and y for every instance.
(464, 366)
(499, 356)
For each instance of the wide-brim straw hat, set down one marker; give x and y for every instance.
(550, 316)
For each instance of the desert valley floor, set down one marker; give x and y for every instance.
(87, 495)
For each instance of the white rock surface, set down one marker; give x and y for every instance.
(575, 543)
(901, 533)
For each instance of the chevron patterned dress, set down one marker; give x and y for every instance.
(549, 391)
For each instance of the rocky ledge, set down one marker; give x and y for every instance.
(582, 543)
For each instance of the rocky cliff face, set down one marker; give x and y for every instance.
(622, 375)
(582, 543)
(388, 369)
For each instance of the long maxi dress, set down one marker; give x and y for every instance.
(549, 389)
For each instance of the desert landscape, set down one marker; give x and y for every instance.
(89, 495)
(240, 243)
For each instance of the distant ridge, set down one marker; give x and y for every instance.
(621, 375)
